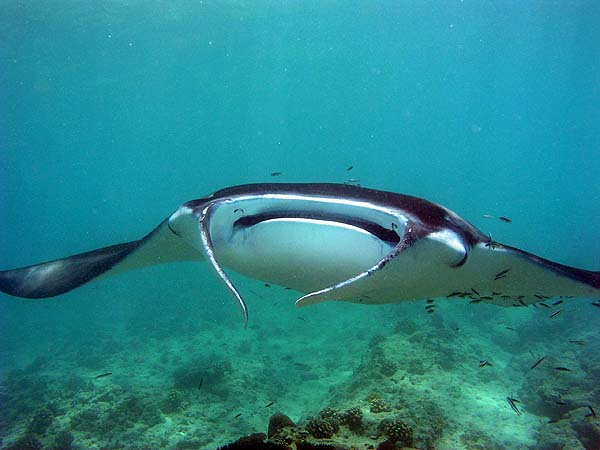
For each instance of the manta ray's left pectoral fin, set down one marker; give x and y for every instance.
(208, 249)
(338, 290)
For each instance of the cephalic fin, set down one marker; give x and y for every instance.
(207, 246)
(407, 240)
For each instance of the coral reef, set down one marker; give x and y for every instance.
(588, 432)
(203, 373)
(40, 422)
(26, 442)
(476, 440)
(277, 423)
(328, 431)
(394, 390)
(322, 428)
(187, 444)
(397, 431)
(174, 401)
(132, 411)
(117, 415)
(376, 403)
(62, 441)
(353, 418)
(88, 419)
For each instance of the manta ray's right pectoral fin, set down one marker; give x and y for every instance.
(208, 249)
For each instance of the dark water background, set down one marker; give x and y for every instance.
(114, 113)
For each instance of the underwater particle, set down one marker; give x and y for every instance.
(275, 174)
(278, 422)
(397, 431)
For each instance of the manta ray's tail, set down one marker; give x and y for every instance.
(63, 275)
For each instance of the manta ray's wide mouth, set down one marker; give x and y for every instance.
(384, 234)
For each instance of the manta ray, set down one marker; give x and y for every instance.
(329, 242)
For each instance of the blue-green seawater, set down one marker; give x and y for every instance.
(113, 113)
